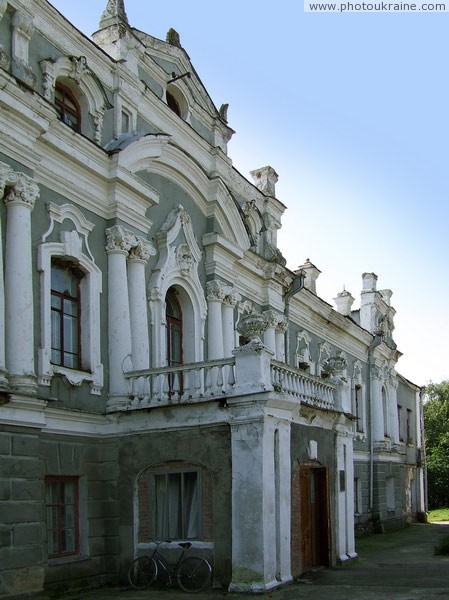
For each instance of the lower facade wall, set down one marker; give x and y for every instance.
(107, 471)
(207, 449)
(393, 496)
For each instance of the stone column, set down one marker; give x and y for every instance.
(19, 317)
(281, 328)
(229, 303)
(269, 337)
(215, 296)
(119, 242)
(138, 308)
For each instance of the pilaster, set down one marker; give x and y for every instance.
(261, 501)
(22, 32)
(345, 495)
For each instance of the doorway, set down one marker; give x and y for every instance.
(314, 517)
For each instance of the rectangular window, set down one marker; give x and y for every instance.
(62, 505)
(126, 122)
(400, 426)
(65, 316)
(358, 408)
(409, 427)
(176, 503)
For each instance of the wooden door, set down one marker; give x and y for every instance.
(314, 517)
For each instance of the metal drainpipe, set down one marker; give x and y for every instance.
(423, 450)
(296, 285)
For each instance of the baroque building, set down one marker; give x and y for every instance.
(163, 374)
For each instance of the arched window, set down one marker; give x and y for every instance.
(65, 315)
(68, 107)
(173, 104)
(174, 329)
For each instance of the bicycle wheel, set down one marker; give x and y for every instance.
(142, 572)
(194, 574)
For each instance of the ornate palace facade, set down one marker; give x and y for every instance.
(163, 374)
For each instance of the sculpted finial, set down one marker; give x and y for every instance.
(114, 13)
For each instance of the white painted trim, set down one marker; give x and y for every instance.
(91, 287)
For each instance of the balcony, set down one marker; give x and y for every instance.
(219, 379)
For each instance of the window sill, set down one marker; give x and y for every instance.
(73, 376)
(65, 560)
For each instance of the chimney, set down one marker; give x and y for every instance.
(369, 282)
(386, 296)
(311, 275)
(344, 302)
(265, 180)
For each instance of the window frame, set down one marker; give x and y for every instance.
(358, 406)
(91, 368)
(409, 433)
(153, 503)
(64, 479)
(76, 300)
(64, 109)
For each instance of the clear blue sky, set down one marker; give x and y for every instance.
(351, 110)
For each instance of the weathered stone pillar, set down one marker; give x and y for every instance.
(281, 328)
(229, 303)
(19, 307)
(138, 307)
(270, 333)
(261, 503)
(215, 296)
(119, 242)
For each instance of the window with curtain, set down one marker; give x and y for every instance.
(175, 506)
(62, 505)
(65, 315)
(68, 107)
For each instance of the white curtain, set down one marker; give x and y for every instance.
(177, 505)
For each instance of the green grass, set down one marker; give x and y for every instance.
(439, 514)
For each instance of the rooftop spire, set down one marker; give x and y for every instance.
(113, 14)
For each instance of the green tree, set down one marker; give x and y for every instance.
(436, 428)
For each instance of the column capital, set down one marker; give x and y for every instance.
(232, 298)
(282, 324)
(119, 240)
(22, 189)
(142, 251)
(216, 290)
(273, 317)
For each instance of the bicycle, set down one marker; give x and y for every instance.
(193, 573)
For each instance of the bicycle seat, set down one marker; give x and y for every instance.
(185, 545)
